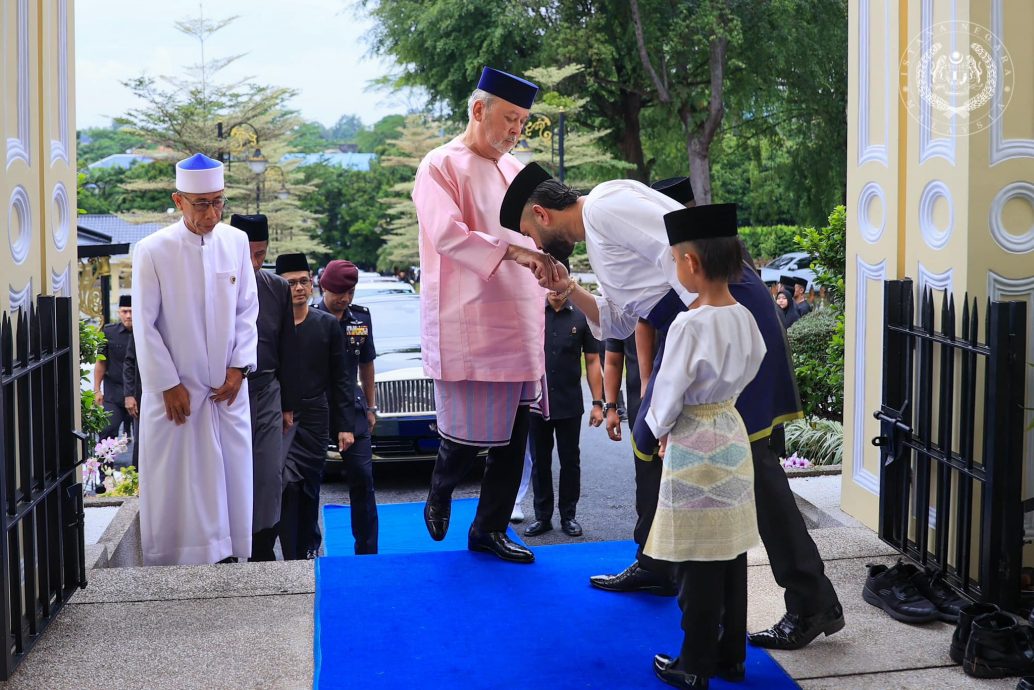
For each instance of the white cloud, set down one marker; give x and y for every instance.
(316, 47)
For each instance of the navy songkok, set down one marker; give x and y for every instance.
(255, 227)
(288, 263)
(520, 92)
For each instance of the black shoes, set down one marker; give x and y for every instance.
(893, 590)
(634, 579)
(960, 638)
(499, 544)
(998, 647)
(538, 527)
(436, 516)
(571, 527)
(664, 668)
(932, 586)
(734, 672)
(794, 631)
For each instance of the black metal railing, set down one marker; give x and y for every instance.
(971, 458)
(41, 540)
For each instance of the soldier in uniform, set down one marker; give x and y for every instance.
(270, 388)
(337, 283)
(133, 390)
(109, 370)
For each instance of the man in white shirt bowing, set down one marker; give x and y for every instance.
(196, 308)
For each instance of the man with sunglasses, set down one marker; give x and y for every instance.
(195, 309)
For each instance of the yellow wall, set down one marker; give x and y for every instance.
(951, 211)
(38, 184)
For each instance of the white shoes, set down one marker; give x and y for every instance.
(518, 513)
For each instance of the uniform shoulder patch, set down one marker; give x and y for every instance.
(359, 308)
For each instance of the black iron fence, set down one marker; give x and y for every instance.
(42, 557)
(969, 457)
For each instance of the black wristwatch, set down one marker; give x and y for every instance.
(245, 370)
(597, 403)
(609, 406)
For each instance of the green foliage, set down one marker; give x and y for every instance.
(377, 139)
(829, 247)
(817, 351)
(104, 142)
(129, 485)
(91, 340)
(769, 242)
(818, 440)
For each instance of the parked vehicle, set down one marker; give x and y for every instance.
(406, 422)
(794, 264)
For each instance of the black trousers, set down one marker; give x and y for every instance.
(262, 544)
(568, 434)
(713, 599)
(502, 477)
(299, 520)
(362, 499)
(120, 417)
(795, 560)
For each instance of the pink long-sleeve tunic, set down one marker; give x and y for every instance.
(481, 317)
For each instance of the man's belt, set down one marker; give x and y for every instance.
(261, 378)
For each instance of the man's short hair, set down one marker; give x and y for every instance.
(478, 95)
(554, 195)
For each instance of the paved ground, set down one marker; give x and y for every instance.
(250, 625)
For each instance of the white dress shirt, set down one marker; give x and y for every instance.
(629, 252)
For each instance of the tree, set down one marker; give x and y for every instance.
(184, 116)
(377, 138)
(345, 129)
(104, 142)
(416, 139)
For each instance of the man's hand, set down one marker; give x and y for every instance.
(664, 446)
(98, 397)
(230, 388)
(371, 417)
(596, 416)
(545, 267)
(132, 407)
(613, 425)
(288, 420)
(177, 404)
(345, 439)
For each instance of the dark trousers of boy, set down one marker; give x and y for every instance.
(567, 433)
(713, 599)
(306, 453)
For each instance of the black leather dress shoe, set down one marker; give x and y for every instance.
(664, 667)
(499, 544)
(436, 516)
(634, 579)
(1025, 683)
(794, 631)
(732, 672)
(571, 528)
(538, 527)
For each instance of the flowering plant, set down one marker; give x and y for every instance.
(103, 459)
(795, 462)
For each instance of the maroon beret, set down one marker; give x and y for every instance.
(339, 276)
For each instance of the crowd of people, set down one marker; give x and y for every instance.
(244, 383)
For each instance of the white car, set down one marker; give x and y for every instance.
(794, 264)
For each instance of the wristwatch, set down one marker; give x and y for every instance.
(245, 370)
(372, 408)
(609, 406)
(597, 403)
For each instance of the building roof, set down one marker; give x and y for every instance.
(91, 243)
(120, 160)
(117, 229)
(338, 159)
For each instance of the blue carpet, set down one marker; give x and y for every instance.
(466, 620)
(402, 529)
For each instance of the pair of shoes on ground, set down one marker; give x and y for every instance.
(438, 511)
(990, 643)
(667, 670)
(911, 595)
(570, 527)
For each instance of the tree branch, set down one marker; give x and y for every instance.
(716, 108)
(662, 91)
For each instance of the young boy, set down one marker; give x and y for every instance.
(706, 518)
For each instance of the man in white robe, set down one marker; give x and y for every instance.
(196, 309)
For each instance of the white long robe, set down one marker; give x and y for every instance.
(195, 307)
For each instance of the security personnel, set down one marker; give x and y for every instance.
(337, 283)
(109, 369)
(133, 390)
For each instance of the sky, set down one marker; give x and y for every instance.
(317, 47)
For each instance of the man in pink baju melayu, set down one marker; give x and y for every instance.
(481, 312)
